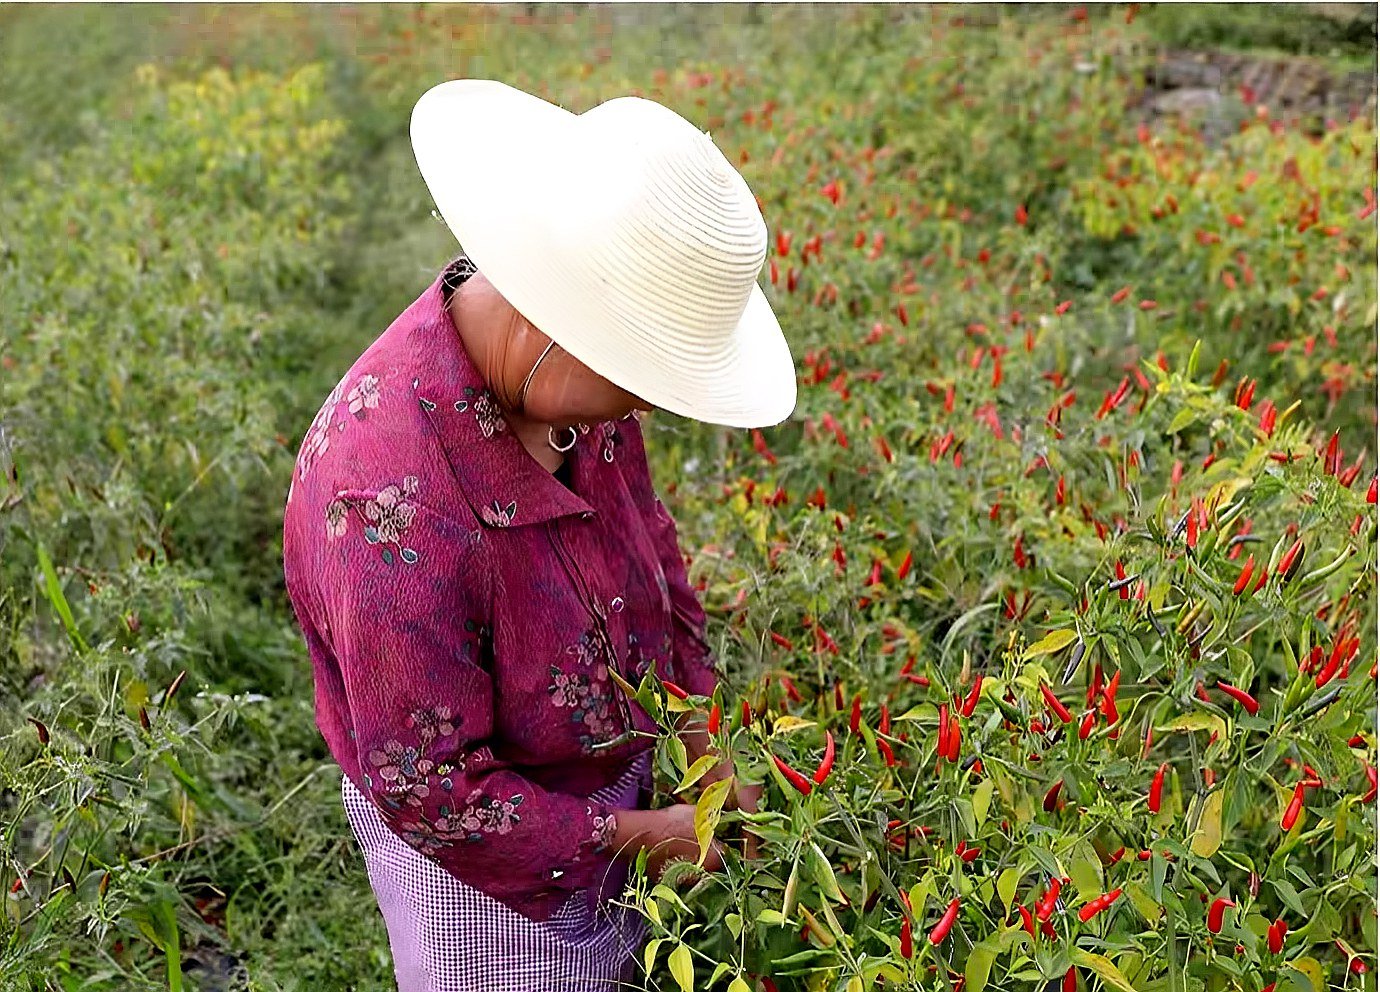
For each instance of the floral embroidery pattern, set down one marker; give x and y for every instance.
(497, 515)
(589, 696)
(318, 435)
(405, 770)
(337, 516)
(390, 514)
(604, 829)
(364, 396)
(407, 775)
(486, 411)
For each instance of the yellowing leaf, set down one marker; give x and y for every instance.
(649, 954)
(697, 771)
(1052, 643)
(1208, 837)
(1310, 969)
(789, 724)
(738, 985)
(1198, 721)
(982, 800)
(682, 967)
(1086, 870)
(1103, 967)
(1143, 902)
(1006, 887)
(707, 812)
(979, 967)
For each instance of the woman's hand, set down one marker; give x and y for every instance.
(667, 833)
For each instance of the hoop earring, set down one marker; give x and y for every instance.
(551, 438)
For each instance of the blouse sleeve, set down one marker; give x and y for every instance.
(407, 621)
(692, 662)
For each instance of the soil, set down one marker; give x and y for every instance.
(1219, 87)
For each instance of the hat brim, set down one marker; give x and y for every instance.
(489, 154)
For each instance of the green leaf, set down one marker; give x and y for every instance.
(1086, 870)
(707, 812)
(1182, 419)
(1006, 887)
(682, 967)
(1289, 896)
(698, 770)
(738, 985)
(720, 969)
(1052, 643)
(982, 800)
(1208, 837)
(52, 588)
(979, 966)
(823, 873)
(1103, 967)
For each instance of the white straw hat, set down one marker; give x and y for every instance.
(623, 234)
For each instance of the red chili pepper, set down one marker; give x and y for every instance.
(1241, 696)
(945, 924)
(884, 725)
(801, 783)
(943, 727)
(1291, 812)
(715, 717)
(1371, 778)
(826, 765)
(971, 702)
(969, 854)
(1085, 728)
(1045, 907)
(1214, 919)
(1052, 796)
(1244, 579)
(790, 688)
(855, 717)
(1370, 492)
(1275, 937)
(907, 944)
(1157, 787)
(1098, 905)
(746, 714)
(675, 690)
(1027, 923)
(955, 740)
(781, 642)
(1286, 562)
(1071, 979)
(1052, 701)
(1109, 708)
(885, 750)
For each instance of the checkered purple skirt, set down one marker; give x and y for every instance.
(448, 937)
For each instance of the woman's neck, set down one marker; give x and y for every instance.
(489, 352)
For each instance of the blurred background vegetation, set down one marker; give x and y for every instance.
(208, 211)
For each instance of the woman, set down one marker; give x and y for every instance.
(472, 542)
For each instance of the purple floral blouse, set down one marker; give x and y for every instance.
(462, 608)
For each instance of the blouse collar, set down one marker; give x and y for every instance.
(500, 479)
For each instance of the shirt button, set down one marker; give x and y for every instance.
(617, 604)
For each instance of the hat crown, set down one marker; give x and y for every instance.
(668, 227)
